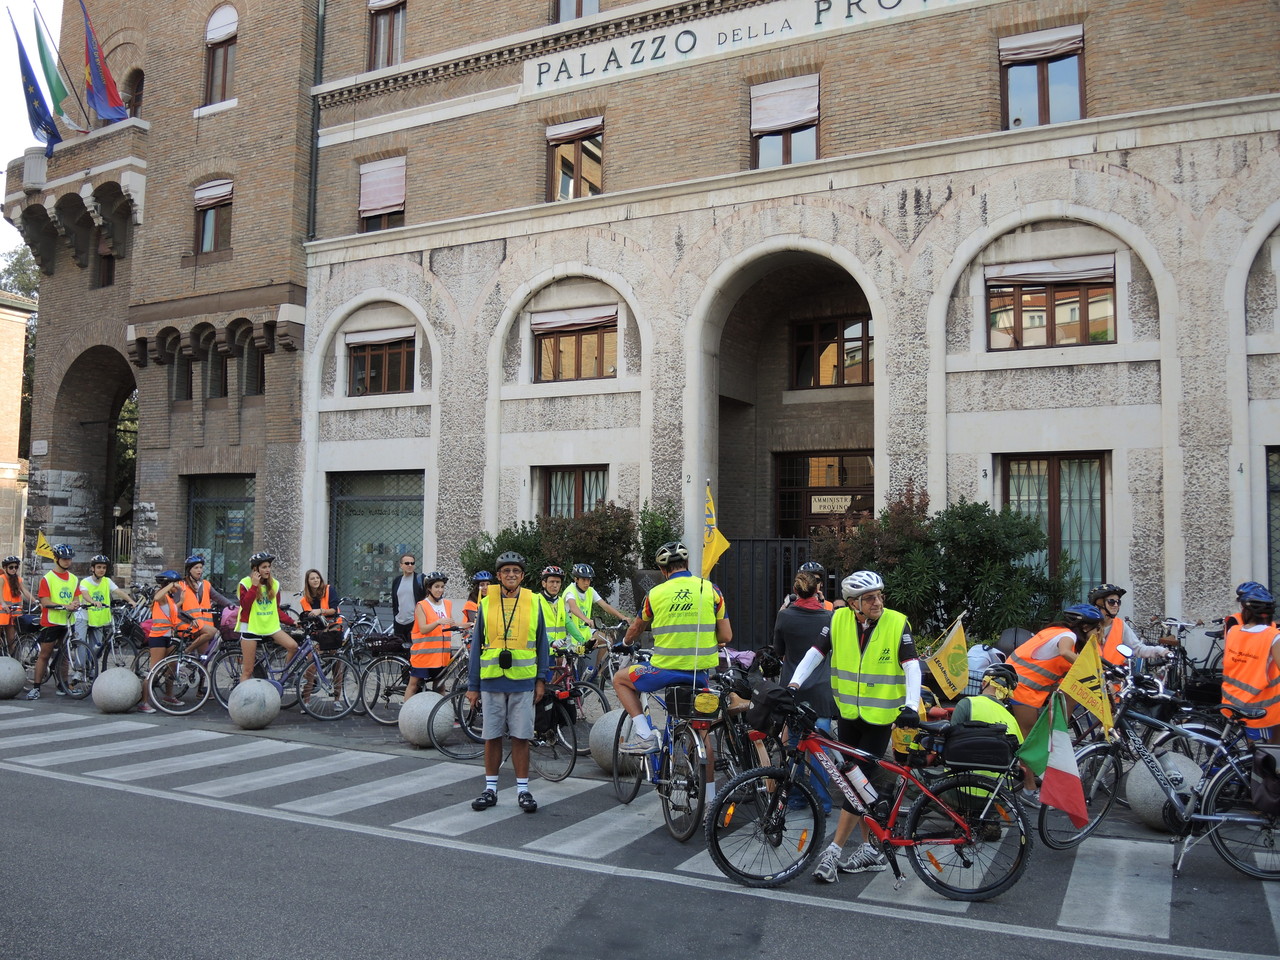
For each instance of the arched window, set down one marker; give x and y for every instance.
(132, 92)
(220, 56)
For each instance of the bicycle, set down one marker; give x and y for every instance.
(363, 625)
(965, 834)
(585, 702)
(384, 678)
(607, 654)
(172, 678)
(71, 664)
(457, 731)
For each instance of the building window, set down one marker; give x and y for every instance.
(213, 216)
(832, 352)
(105, 263)
(132, 92)
(253, 369)
(574, 9)
(571, 491)
(220, 527)
(1041, 77)
(1051, 303)
(382, 194)
(215, 375)
(375, 518)
(575, 159)
(386, 33)
(380, 362)
(815, 489)
(784, 121)
(578, 344)
(220, 54)
(182, 378)
(1064, 492)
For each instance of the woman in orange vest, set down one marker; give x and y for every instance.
(1115, 631)
(1044, 660)
(432, 636)
(167, 620)
(1251, 661)
(197, 598)
(318, 599)
(13, 594)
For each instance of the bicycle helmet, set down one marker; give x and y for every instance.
(1081, 615)
(814, 567)
(167, 576)
(435, 576)
(1258, 599)
(260, 558)
(510, 557)
(552, 571)
(583, 570)
(1245, 588)
(9, 561)
(1105, 590)
(63, 552)
(482, 576)
(862, 582)
(1003, 676)
(100, 558)
(192, 561)
(673, 551)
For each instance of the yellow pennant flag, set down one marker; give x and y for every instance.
(1086, 685)
(42, 546)
(949, 664)
(713, 541)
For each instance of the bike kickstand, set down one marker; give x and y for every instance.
(891, 855)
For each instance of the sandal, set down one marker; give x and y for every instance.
(526, 802)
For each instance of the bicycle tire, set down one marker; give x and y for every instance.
(1100, 768)
(589, 705)
(553, 753)
(382, 686)
(1203, 754)
(26, 650)
(456, 727)
(81, 669)
(224, 674)
(1250, 844)
(765, 829)
(999, 845)
(141, 665)
(627, 768)
(115, 654)
(331, 695)
(683, 788)
(187, 672)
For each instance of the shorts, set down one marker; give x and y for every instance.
(507, 714)
(154, 643)
(424, 673)
(647, 678)
(1015, 702)
(870, 737)
(53, 633)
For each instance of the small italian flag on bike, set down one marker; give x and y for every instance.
(1047, 752)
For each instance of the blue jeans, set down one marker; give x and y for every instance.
(818, 778)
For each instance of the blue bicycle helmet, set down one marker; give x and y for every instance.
(482, 576)
(1246, 587)
(192, 561)
(1081, 615)
(167, 577)
(1258, 596)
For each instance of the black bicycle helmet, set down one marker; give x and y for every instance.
(671, 551)
(9, 561)
(63, 552)
(435, 576)
(192, 561)
(100, 558)
(552, 571)
(1001, 675)
(1105, 590)
(508, 558)
(583, 570)
(814, 567)
(166, 577)
(260, 558)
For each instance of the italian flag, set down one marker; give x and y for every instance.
(1047, 751)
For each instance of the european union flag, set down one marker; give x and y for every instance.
(42, 126)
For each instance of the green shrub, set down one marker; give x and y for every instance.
(660, 523)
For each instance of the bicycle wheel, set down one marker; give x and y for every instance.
(78, 668)
(1100, 769)
(382, 688)
(589, 705)
(553, 752)
(456, 727)
(178, 672)
(682, 784)
(26, 650)
(765, 828)
(627, 769)
(115, 653)
(1251, 843)
(141, 665)
(1204, 754)
(331, 692)
(971, 843)
(278, 660)
(224, 674)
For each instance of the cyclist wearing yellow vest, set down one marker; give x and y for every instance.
(509, 657)
(96, 593)
(875, 677)
(58, 605)
(1251, 661)
(260, 618)
(998, 683)
(581, 599)
(432, 634)
(1115, 631)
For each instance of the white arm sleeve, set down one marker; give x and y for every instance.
(1144, 651)
(912, 669)
(807, 666)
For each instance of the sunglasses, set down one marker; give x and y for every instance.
(1112, 602)
(408, 563)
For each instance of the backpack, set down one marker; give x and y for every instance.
(1264, 781)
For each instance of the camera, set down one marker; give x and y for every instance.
(504, 659)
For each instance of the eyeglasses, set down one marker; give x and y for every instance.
(408, 563)
(11, 566)
(872, 598)
(1112, 601)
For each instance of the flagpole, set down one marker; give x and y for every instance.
(67, 73)
(937, 644)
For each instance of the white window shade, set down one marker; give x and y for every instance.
(213, 193)
(223, 24)
(366, 337)
(1041, 45)
(574, 130)
(578, 318)
(784, 104)
(382, 187)
(384, 4)
(1099, 267)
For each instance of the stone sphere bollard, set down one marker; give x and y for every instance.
(253, 704)
(116, 690)
(603, 733)
(12, 678)
(1145, 797)
(415, 718)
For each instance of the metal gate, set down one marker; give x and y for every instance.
(374, 519)
(755, 576)
(220, 527)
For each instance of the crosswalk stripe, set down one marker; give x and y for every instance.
(39, 720)
(1122, 886)
(912, 893)
(605, 833)
(289, 773)
(182, 738)
(460, 818)
(210, 758)
(79, 733)
(13, 708)
(1272, 892)
(701, 862)
(381, 791)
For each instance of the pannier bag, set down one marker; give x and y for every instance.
(1264, 782)
(977, 745)
(546, 717)
(766, 699)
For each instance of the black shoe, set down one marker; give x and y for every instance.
(526, 801)
(486, 800)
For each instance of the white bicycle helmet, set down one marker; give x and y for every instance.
(863, 581)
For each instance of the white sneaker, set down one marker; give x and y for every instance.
(866, 859)
(33, 694)
(641, 745)
(828, 870)
(1029, 797)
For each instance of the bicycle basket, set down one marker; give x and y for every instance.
(385, 643)
(1264, 781)
(977, 745)
(1204, 687)
(693, 703)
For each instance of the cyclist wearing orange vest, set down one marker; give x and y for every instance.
(1044, 660)
(318, 599)
(1251, 661)
(167, 621)
(1115, 631)
(13, 593)
(197, 597)
(432, 635)
(479, 586)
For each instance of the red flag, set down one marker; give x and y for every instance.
(99, 86)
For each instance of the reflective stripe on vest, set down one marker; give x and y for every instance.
(98, 593)
(61, 592)
(197, 599)
(431, 649)
(1038, 678)
(1249, 677)
(264, 616)
(869, 684)
(164, 618)
(684, 624)
(524, 648)
(555, 616)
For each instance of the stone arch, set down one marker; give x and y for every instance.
(322, 361)
(76, 226)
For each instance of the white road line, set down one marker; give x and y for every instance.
(913, 891)
(183, 738)
(701, 862)
(13, 708)
(1123, 886)
(289, 773)
(1272, 893)
(598, 836)
(363, 795)
(460, 818)
(40, 720)
(210, 758)
(79, 733)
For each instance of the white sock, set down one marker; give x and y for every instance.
(491, 783)
(835, 848)
(522, 786)
(640, 727)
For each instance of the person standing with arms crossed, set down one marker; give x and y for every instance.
(407, 591)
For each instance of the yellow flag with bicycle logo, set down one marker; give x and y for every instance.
(713, 541)
(1086, 684)
(42, 546)
(949, 663)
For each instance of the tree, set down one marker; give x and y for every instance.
(19, 274)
